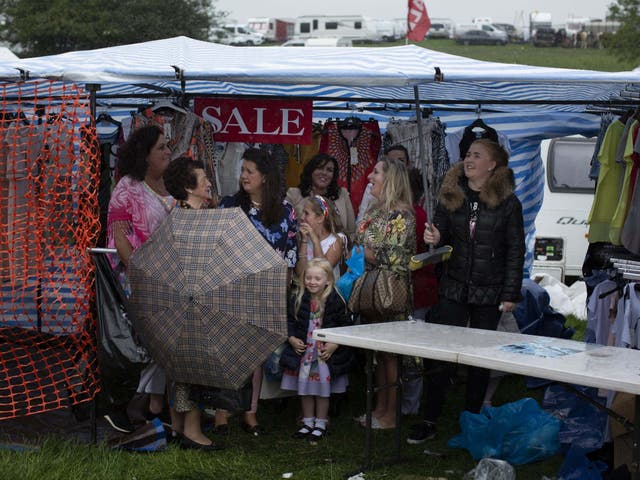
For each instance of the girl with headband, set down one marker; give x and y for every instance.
(319, 237)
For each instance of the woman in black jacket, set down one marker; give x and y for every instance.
(480, 216)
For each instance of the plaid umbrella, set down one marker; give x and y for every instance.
(208, 295)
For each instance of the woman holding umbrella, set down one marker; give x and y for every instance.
(275, 218)
(138, 205)
(187, 182)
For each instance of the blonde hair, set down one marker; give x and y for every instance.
(323, 264)
(396, 189)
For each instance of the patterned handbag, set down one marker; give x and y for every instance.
(379, 295)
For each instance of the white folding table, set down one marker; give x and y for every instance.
(566, 361)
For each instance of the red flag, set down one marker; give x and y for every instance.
(418, 22)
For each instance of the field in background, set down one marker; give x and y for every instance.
(527, 54)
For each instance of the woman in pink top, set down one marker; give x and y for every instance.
(139, 203)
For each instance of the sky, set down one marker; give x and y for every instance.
(460, 11)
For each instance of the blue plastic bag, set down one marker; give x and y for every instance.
(518, 432)
(355, 264)
(577, 466)
(583, 424)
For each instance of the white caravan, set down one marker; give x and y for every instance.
(354, 27)
(561, 225)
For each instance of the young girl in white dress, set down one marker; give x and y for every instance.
(319, 236)
(312, 368)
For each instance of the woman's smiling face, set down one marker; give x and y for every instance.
(376, 179)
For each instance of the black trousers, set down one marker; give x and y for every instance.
(442, 374)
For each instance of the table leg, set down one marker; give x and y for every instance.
(635, 454)
(368, 432)
(397, 430)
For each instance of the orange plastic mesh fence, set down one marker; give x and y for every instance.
(49, 214)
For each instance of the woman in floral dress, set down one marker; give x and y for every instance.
(387, 232)
(260, 198)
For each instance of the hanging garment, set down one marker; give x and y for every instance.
(461, 140)
(405, 133)
(605, 121)
(630, 234)
(605, 200)
(356, 147)
(228, 161)
(598, 309)
(299, 155)
(622, 208)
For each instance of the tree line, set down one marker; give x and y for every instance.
(47, 27)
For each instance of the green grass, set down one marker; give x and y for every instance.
(527, 54)
(250, 458)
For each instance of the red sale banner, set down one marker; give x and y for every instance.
(257, 121)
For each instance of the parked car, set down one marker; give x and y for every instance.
(295, 42)
(239, 35)
(479, 37)
(319, 42)
(439, 30)
(514, 35)
(544, 37)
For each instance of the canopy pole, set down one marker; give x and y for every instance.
(93, 90)
(423, 159)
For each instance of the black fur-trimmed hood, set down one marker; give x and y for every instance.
(497, 189)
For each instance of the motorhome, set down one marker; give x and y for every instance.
(272, 29)
(354, 27)
(561, 225)
(539, 19)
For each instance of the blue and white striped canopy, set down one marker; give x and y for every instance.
(384, 74)
(356, 78)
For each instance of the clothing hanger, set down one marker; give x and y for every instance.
(169, 104)
(106, 118)
(478, 122)
(625, 116)
(350, 123)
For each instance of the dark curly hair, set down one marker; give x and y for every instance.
(318, 161)
(132, 155)
(180, 175)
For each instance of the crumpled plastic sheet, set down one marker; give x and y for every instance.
(491, 469)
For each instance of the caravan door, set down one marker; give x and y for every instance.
(561, 224)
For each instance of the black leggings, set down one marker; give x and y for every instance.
(448, 312)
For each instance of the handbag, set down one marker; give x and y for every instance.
(225, 398)
(379, 294)
(121, 357)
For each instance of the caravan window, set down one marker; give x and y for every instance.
(315, 24)
(305, 27)
(568, 165)
(357, 25)
(331, 25)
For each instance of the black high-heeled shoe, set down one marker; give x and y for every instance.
(255, 430)
(188, 444)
